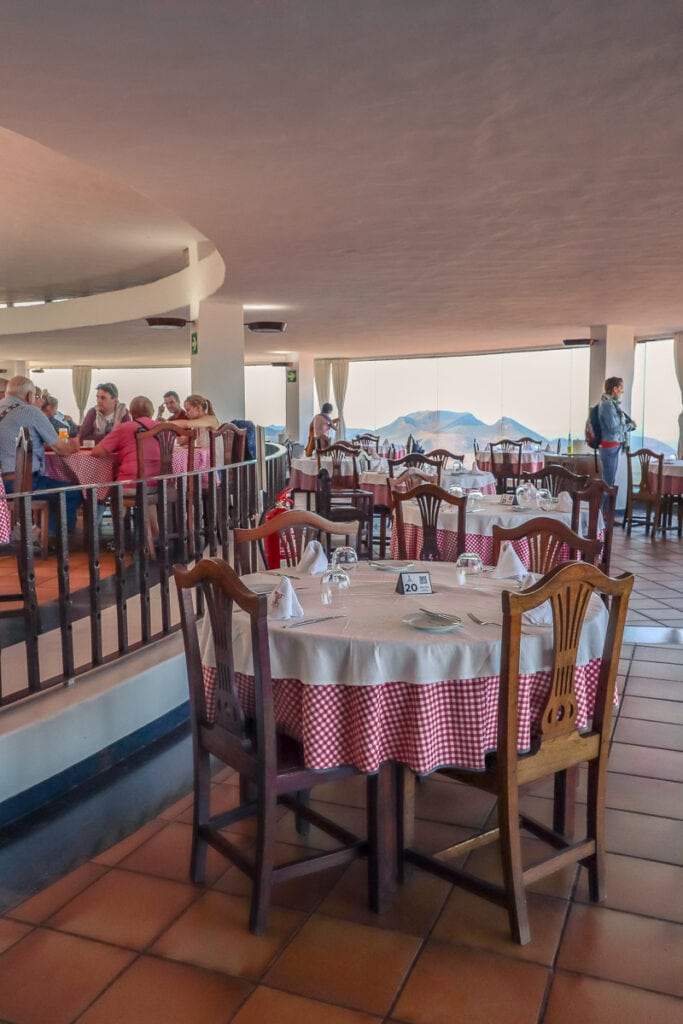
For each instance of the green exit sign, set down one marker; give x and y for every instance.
(194, 343)
(291, 376)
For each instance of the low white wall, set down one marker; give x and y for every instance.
(43, 736)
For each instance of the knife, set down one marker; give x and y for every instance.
(310, 622)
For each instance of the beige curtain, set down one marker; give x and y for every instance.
(81, 377)
(321, 376)
(678, 363)
(340, 379)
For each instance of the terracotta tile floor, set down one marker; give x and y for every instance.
(126, 937)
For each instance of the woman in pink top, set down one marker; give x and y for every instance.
(121, 443)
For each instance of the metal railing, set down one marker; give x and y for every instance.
(120, 597)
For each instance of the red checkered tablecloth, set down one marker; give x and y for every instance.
(82, 468)
(4, 516)
(424, 726)
(672, 479)
(532, 462)
(202, 460)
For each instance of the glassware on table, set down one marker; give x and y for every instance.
(469, 563)
(474, 501)
(334, 587)
(346, 557)
(456, 491)
(457, 466)
(526, 495)
(544, 499)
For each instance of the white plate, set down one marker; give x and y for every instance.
(392, 566)
(420, 620)
(263, 587)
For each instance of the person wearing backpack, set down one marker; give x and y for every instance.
(615, 426)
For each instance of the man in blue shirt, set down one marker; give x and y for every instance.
(17, 410)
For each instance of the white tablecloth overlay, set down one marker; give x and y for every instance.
(371, 645)
(491, 513)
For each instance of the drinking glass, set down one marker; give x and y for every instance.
(474, 501)
(544, 499)
(470, 562)
(346, 557)
(456, 491)
(526, 497)
(334, 587)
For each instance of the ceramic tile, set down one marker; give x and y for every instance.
(270, 1005)
(574, 997)
(43, 904)
(167, 855)
(123, 848)
(650, 710)
(646, 761)
(641, 887)
(643, 835)
(11, 932)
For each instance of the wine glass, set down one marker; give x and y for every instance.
(474, 500)
(470, 562)
(526, 495)
(457, 466)
(544, 499)
(334, 587)
(346, 557)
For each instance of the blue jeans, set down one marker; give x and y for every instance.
(46, 483)
(609, 459)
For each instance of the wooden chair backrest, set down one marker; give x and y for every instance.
(568, 588)
(444, 457)
(599, 499)
(222, 590)
(339, 454)
(415, 460)
(429, 498)
(234, 444)
(295, 528)
(367, 441)
(506, 458)
(556, 479)
(23, 463)
(546, 538)
(645, 457)
(165, 435)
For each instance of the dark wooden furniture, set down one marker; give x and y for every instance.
(295, 529)
(643, 494)
(414, 460)
(367, 441)
(556, 479)
(346, 505)
(163, 497)
(234, 444)
(429, 499)
(557, 748)
(444, 458)
(270, 764)
(23, 483)
(506, 464)
(546, 538)
(598, 498)
(341, 453)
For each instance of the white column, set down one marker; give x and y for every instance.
(217, 368)
(613, 356)
(299, 398)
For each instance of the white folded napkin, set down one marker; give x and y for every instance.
(313, 559)
(564, 502)
(541, 616)
(509, 564)
(283, 602)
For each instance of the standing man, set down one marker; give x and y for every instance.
(104, 415)
(17, 410)
(615, 426)
(171, 404)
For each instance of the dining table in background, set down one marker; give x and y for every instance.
(532, 461)
(304, 471)
(490, 512)
(82, 468)
(672, 477)
(363, 686)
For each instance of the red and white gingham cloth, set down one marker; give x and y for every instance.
(532, 462)
(202, 460)
(672, 479)
(82, 468)
(4, 516)
(447, 541)
(422, 725)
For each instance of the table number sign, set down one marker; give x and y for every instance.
(414, 583)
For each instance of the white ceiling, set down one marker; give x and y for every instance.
(394, 176)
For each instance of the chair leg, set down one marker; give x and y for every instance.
(511, 857)
(264, 861)
(200, 816)
(595, 828)
(564, 802)
(303, 826)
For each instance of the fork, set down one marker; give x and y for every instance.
(483, 622)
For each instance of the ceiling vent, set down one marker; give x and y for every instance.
(267, 326)
(579, 342)
(167, 323)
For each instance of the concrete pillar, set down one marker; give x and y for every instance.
(613, 356)
(217, 367)
(299, 399)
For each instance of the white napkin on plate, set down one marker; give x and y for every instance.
(564, 502)
(509, 564)
(541, 616)
(283, 602)
(313, 559)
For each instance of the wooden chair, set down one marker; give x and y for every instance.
(241, 732)
(368, 442)
(445, 458)
(341, 454)
(23, 483)
(506, 464)
(294, 529)
(234, 444)
(600, 500)
(429, 498)
(415, 460)
(556, 479)
(642, 493)
(530, 440)
(546, 538)
(557, 746)
(346, 505)
(165, 436)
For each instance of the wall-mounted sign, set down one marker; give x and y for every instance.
(194, 343)
(291, 376)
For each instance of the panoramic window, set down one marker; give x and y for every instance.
(656, 397)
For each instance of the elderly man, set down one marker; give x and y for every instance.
(171, 405)
(105, 415)
(17, 410)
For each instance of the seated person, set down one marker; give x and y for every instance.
(320, 429)
(121, 442)
(58, 420)
(171, 404)
(199, 414)
(105, 415)
(17, 409)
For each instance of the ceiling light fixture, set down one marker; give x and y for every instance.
(579, 342)
(267, 326)
(167, 323)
